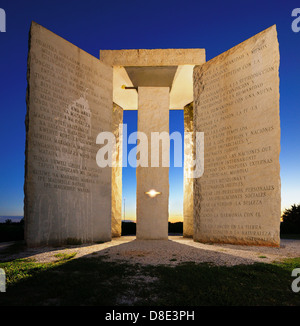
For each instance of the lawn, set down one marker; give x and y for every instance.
(70, 281)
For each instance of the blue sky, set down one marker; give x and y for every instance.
(93, 25)
(175, 173)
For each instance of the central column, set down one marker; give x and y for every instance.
(153, 181)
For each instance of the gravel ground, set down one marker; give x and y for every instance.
(171, 252)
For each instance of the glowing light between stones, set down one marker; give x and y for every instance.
(152, 193)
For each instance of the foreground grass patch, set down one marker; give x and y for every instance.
(65, 256)
(85, 281)
(92, 281)
(249, 285)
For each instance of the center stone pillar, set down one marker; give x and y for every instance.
(153, 211)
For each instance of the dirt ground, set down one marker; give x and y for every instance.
(173, 251)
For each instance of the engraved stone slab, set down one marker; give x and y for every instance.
(69, 102)
(236, 105)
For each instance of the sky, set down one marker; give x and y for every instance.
(93, 25)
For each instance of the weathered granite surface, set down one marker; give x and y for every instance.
(188, 210)
(236, 105)
(69, 101)
(153, 57)
(153, 213)
(116, 182)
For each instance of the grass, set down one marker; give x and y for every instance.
(249, 285)
(92, 281)
(65, 256)
(86, 281)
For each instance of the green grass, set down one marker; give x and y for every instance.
(250, 285)
(92, 281)
(65, 256)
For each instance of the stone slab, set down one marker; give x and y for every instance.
(236, 105)
(188, 182)
(133, 61)
(153, 213)
(116, 196)
(69, 101)
(153, 57)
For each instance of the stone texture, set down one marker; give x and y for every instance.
(236, 105)
(69, 101)
(153, 213)
(123, 61)
(153, 57)
(116, 196)
(188, 210)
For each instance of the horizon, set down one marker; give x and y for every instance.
(212, 26)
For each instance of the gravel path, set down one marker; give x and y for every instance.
(171, 252)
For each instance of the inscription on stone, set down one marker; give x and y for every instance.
(236, 105)
(69, 101)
